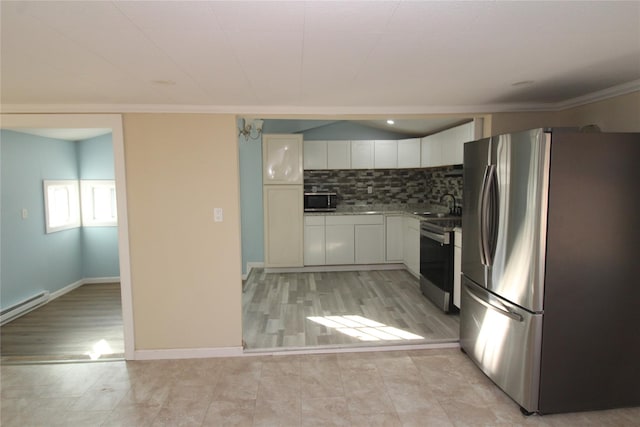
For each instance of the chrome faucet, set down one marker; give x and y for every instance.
(452, 210)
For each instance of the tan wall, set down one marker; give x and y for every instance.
(619, 114)
(185, 268)
(513, 122)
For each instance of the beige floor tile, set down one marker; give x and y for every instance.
(321, 380)
(237, 386)
(325, 411)
(463, 413)
(431, 417)
(388, 419)
(104, 399)
(284, 387)
(238, 412)
(82, 419)
(369, 402)
(150, 394)
(277, 413)
(181, 412)
(127, 416)
(281, 366)
(421, 388)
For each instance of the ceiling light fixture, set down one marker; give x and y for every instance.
(251, 130)
(390, 122)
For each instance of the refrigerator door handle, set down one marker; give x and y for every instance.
(486, 213)
(502, 309)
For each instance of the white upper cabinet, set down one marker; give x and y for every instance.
(338, 155)
(315, 155)
(282, 159)
(409, 153)
(431, 151)
(385, 154)
(453, 143)
(362, 154)
(447, 147)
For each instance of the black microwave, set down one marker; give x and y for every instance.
(320, 202)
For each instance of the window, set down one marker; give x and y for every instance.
(61, 205)
(99, 207)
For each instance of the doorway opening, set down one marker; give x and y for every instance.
(85, 313)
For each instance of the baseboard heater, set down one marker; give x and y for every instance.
(23, 307)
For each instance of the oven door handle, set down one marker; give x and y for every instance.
(443, 239)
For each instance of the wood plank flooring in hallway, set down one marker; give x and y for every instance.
(68, 328)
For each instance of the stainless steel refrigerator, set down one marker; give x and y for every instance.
(550, 299)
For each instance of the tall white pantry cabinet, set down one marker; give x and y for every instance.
(283, 200)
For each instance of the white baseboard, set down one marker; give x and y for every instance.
(85, 281)
(187, 353)
(324, 268)
(251, 265)
(94, 280)
(66, 289)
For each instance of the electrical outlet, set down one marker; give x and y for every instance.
(24, 213)
(369, 189)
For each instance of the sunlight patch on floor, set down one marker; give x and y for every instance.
(100, 348)
(364, 329)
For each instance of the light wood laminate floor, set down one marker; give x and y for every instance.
(293, 310)
(83, 321)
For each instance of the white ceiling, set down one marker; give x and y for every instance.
(319, 57)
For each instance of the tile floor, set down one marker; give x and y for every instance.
(399, 388)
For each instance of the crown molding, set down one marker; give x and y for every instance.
(601, 95)
(329, 111)
(266, 109)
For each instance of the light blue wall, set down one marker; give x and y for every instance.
(348, 131)
(251, 207)
(30, 260)
(99, 244)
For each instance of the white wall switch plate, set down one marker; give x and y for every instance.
(217, 214)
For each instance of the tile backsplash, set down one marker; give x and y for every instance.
(389, 186)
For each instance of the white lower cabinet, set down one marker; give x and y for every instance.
(340, 243)
(411, 255)
(344, 239)
(457, 267)
(314, 241)
(394, 238)
(369, 243)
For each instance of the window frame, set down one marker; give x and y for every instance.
(74, 219)
(87, 187)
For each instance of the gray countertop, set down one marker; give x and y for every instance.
(393, 209)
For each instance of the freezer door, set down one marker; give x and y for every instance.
(516, 217)
(476, 160)
(504, 341)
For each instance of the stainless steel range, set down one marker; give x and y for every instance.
(436, 259)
